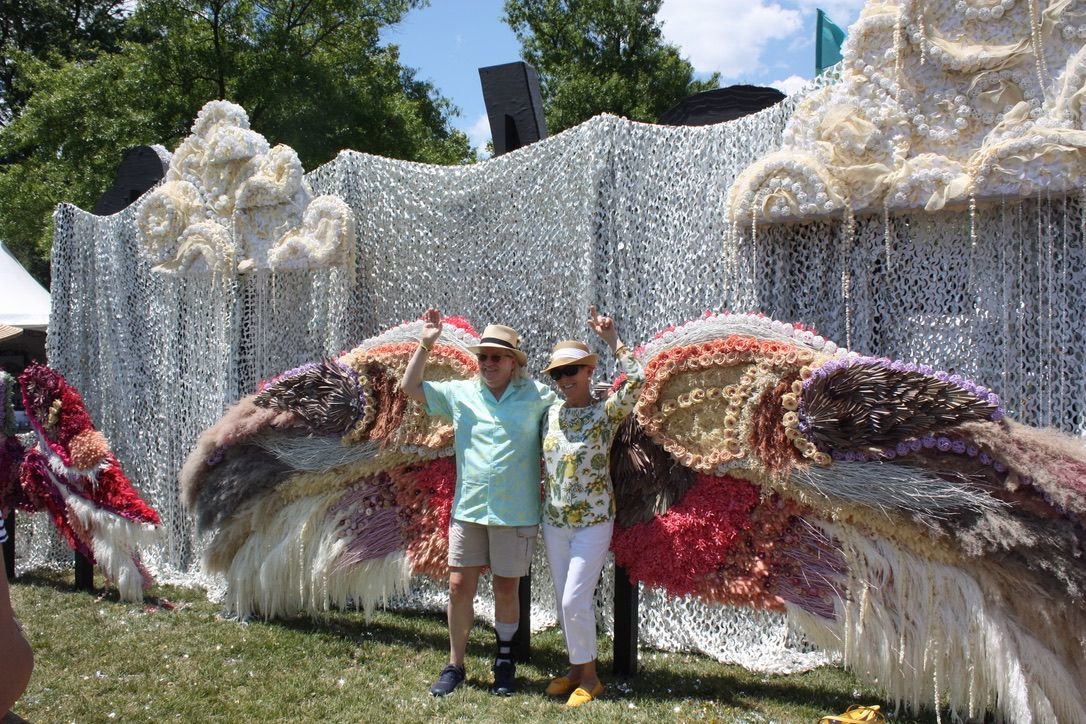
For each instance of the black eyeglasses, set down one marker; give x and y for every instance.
(484, 357)
(568, 371)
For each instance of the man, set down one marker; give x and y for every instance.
(495, 516)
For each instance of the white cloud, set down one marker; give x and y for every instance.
(842, 12)
(791, 84)
(728, 36)
(479, 135)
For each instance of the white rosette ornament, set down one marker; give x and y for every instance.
(230, 146)
(1026, 152)
(325, 238)
(782, 187)
(270, 204)
(163, 217)
(230, 204)
(204, 249)
(929, 181)
(938, 103)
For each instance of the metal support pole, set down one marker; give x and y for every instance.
(523, 638)
(626, 600)
(84, 573)
(9, 547)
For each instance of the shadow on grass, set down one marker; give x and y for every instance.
(50, 579)
(422, 629)
(354, 628)
(62, 580)
(745, 689)
(660, 684)
(661, 678)
(657, 681)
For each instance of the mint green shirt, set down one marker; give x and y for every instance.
(497, 448)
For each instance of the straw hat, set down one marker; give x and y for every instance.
(7, 332)
(571, 352)
(498, 336)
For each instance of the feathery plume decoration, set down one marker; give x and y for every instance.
(368, 522)
(647, 480)
(850, 404)
(326, 394)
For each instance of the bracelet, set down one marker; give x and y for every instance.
(423, 345)
(618, 349)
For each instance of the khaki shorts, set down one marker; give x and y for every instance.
(508, 550)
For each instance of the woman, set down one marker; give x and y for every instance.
(16, 658)
(579, 502)
(495, 516)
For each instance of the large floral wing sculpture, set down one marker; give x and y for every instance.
(328, 486)
(889, 509)
(68, 471)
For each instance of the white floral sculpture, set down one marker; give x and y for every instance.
(230, 204)
(939, 103)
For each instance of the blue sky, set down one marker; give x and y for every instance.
(746, 41)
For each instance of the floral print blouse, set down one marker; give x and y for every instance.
(577, 452)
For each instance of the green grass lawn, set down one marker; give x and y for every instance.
(174, 658)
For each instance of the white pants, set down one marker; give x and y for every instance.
(576, 557)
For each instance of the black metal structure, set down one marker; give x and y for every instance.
(721, 104)
(513, 105)
(141, 168)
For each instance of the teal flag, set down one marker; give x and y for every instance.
(828, 41)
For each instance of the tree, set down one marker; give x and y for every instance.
(601, 56)
(55, 29)
(311, 75)
(66, 145)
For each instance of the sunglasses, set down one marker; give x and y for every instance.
(484, 357)
(567, 371)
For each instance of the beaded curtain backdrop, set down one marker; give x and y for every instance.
(926, 207)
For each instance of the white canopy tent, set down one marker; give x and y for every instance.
(23, 302)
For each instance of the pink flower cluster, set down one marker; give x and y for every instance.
(11, 451)
(773, 564)
(62, 422)
(461, 323)
(677, 550)
(56, 410)
(424, 495)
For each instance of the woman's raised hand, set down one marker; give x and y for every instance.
(603, 326)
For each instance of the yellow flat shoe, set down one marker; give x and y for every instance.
(561, 686)
(580, 697)
(856, 715)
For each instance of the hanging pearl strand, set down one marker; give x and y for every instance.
(1038, 46)
(754, 231)
(887, 244)
(848, 236)
(972, 241)
(923, 38)
(899, 48)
